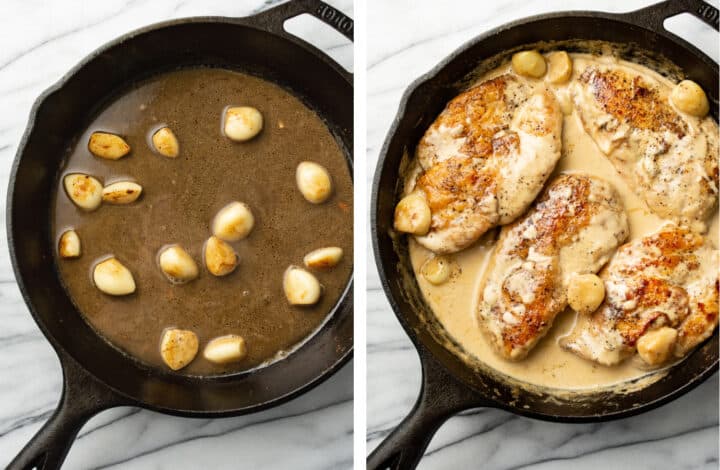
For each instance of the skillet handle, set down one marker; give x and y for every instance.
(273, 20)
(82, 398)
(654, 16)
(441, 396)
(277, 16)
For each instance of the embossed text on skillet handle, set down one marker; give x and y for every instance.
(654, 16)
(274, 18)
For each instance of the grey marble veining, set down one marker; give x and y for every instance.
(407, 38)
(39, 42)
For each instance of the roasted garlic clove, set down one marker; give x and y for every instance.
(220, 258)
(585, 292)
(122, 192)
(166, 143)
(561, 67)
(113, 278)
(108, 146)
(69, 246)
(178, 347)
(437, 270)
(301, 287)
(84, 190)
(233, 222)
(242, 123)
(225, 349)
(412, 215)
(690, 98)
(177, 265)
(655, 347)
(323, 258)
(529, 64)
(314, 182)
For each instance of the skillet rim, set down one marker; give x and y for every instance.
(70, 364)
(473, 395)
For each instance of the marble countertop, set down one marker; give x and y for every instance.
(40, 42)
(406, 39)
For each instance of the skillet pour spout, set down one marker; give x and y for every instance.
(96, 376)
(452, 382)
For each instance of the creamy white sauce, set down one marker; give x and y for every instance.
(650, 159)
(455, 302)
(447, 143)
(536, 157)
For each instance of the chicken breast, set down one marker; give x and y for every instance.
(485, 158)
(574, 228)
(668, 279)
(669, 158)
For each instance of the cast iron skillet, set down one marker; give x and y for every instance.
(449, 383)
(96, 375)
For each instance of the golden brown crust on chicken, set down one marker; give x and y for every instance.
(669, 158)
(573, 229)
(452, 186)
(668, 279)
(701, 322)
(485, 158)
(478, 114)
(630, 99)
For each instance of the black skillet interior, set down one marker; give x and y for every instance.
(96, 375)
(451, 383)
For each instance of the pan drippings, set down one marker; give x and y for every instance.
(180, 197)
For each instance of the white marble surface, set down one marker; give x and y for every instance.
(405, 39)
(39, 41)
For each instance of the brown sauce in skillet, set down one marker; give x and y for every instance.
(180, 198)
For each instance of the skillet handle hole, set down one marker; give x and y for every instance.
(694, 31)
(323, 36)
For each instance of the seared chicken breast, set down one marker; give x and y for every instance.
(573, 228)
(484, 159)
(669, 158)
(668, 280)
